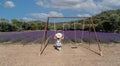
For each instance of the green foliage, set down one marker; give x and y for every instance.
(3, 20)
(107, 21)
(19, 25)
(5, 26)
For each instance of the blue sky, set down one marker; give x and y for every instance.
(41, 9)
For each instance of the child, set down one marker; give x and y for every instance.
(58, 37)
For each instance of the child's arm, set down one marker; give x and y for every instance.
(55, 37)
(62, 38)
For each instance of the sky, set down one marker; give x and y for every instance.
(40, 9)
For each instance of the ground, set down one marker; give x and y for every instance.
(28, 55)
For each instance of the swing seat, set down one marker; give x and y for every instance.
(74, 47)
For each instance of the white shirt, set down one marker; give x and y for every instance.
(58, 43)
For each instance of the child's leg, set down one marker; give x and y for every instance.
(58, 45)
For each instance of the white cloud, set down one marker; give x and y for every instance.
(89, 6)
(84, 15)
(110, 3)
(28, 19)
(45, 15)
(9, 4)
(54, 13)
(60, 4)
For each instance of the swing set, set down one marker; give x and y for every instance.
(46, 38)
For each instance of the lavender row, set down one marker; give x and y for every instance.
(36, 36)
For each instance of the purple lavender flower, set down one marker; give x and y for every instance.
(37, 36)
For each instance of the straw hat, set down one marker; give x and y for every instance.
(58, 35)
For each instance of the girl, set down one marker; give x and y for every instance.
(58, 37)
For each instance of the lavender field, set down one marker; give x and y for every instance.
(37, 36)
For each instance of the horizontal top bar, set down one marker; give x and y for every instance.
(67, 17)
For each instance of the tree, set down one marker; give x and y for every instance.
(108, 21)
(7, 27)
(4, 20)
(33, 25)
(18, 24)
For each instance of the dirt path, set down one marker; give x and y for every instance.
(28, 55)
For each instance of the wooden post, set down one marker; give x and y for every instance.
(91, 21)
(74, 33)
(45, 35)
(82, 32)
(89, 33)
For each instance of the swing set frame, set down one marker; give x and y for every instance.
(91, 25)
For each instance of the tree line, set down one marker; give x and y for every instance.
(106, 21)
(19, 25)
